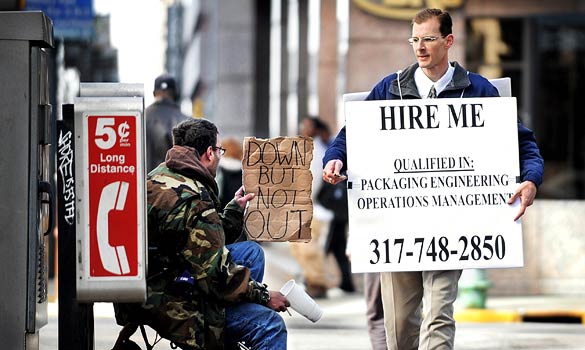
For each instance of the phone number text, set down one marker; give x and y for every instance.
(435, 249)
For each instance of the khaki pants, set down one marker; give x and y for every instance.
(311, 257)
(402, 294)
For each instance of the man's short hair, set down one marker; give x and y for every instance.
(321, 125)
(167, 83)
(198, 133)
(446, 24)
(318, 124)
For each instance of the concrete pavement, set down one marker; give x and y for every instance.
(343, 325)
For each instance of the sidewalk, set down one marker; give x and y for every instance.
(343, 326)
(542, 308)
(506, 323)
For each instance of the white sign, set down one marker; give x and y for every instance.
(430, 181)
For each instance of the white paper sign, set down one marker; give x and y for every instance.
(430, 181)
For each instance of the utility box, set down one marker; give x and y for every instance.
(110, 193)
(26, 159)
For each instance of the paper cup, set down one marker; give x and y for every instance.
(300, 301)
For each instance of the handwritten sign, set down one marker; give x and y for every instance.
(278, 171)
(429, 182)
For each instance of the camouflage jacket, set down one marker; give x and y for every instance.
(187, 233)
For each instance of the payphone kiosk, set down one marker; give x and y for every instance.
(26, 186)
(110, 191)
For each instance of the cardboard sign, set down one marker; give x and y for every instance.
(429, 182)
(113, 195)
(278, 171)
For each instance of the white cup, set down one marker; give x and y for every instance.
(300, 301)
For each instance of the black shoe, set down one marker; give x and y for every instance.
(347, 287)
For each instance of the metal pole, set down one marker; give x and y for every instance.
(76, 326)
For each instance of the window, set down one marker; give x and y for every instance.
(543, 56)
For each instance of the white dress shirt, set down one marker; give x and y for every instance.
(424, 84)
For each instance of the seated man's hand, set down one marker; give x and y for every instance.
(277, 302)
(243, 198)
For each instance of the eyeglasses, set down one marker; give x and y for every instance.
(221, 150)
(425, 39)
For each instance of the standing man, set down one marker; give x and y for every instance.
(160, 117)
(202, 294)
(433, 76)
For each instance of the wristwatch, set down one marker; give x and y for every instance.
(264, 295)
(259, 293)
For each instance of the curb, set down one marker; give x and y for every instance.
(509, 316)
(487, 316)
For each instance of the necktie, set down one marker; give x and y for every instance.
(432, 93)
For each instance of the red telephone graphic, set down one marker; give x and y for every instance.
(113, 197)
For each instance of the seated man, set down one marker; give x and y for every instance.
(202, 294)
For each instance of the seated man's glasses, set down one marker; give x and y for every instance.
(221, 150)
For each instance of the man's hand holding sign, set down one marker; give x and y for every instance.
(526, 193)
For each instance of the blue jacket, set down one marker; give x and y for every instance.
(401, 85)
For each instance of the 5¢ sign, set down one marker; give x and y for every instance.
(106, 135)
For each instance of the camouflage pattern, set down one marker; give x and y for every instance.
(187, 232)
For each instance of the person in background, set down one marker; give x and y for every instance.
(161, 116)
(433, 76)
(334, 198)
(310, 255)
(202, 293)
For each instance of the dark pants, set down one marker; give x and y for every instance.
(336, 244)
